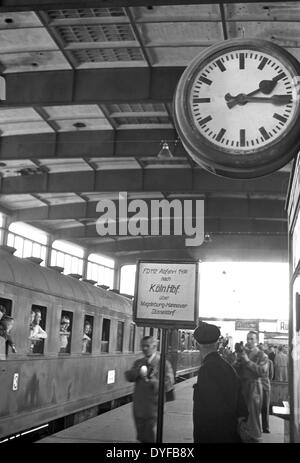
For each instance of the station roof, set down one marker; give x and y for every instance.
(89, 89)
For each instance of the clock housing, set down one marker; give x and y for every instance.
(237, 108)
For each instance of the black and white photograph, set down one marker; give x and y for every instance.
(149, 225)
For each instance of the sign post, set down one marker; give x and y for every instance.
(166, 297)
(161, 388)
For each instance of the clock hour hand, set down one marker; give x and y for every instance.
(265, 86)
(242, 99)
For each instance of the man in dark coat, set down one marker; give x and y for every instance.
(218, 401)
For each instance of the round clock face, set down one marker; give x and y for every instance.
(243, 100)
(237, 108)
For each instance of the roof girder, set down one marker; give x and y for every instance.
(186, 179)
(19, 5)
(86, 86)
(243, 208)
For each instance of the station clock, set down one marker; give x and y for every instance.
(237, 108)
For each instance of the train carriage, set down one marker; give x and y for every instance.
(49, 380)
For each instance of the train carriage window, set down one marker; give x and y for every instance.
(183, 341)
(37, 329)
(194, 344)
(120, 336)
(158, 339)
(179, 339)
(131, 337)
(5, 306)
(172, 340)
(105, 335)
(65, 331)
(297, 312)
(189, 341)
(141, 334)
(87, 337)
(6, 325)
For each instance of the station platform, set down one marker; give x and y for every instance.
(117, 426)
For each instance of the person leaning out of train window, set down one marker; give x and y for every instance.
(219, 407)
(2, 311)
(64, 333)
(145, 374)
(86, 338)
(6, 324)
(37, 334)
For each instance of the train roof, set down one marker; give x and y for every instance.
(29, 274)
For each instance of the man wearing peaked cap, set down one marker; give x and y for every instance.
(206, 333)
(218, 404)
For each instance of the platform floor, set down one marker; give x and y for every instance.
(117, 426)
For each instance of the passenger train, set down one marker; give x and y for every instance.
(73, 341)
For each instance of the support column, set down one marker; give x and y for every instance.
(50, 240)
(85, 263)
(7, 220)
(117, 275)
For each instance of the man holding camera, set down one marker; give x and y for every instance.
(252, 364)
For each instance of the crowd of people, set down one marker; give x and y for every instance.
(271, 364)
(231, 398)
(277, 354)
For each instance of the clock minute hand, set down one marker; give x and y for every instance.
(275, 99)
(242, 99)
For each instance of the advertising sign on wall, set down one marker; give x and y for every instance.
(166, 294)
(247, 325)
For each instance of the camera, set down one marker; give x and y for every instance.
(239, 347)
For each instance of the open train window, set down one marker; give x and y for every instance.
(131, 337)
(37, 329)
(142, 331)
(158, 339)
(120, 336)
(189, 339)
(105, 335)
(65, 331)
(297, 311)
(182, 341)
(5, 306)
(87, 336)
